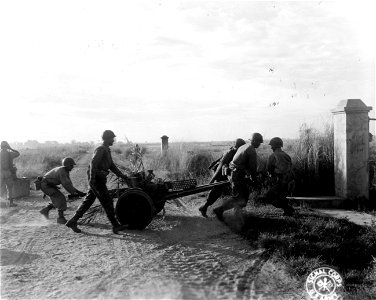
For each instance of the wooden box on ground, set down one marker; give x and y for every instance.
(21, 188)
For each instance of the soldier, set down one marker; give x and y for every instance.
(220, 174)
(8, 171)
(49, 186)
(243, 164)
(280, 168)
(98, 171)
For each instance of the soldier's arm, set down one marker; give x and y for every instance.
(14, 153)
(116, 170)
(67, 183)
(95, 161)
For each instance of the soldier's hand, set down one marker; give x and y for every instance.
(81, 194)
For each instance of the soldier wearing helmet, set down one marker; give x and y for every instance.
(280, 168)
(7, 171)
(49, 186)
(243, 164)
(220, 174)
(99, 168)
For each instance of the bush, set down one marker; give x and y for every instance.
(313, 161)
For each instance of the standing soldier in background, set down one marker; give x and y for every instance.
(280, 168)
(49, 186)
(7, 171)
(99, 168)
(243, 164)
(220, 174)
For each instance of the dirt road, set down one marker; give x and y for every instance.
(181, 256)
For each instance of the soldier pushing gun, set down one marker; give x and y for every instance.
(99, 168)
(49, 186)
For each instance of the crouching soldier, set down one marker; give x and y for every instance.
(244, 164)
(220, 174)
(99, 168)
(49, 185)
(280, 168)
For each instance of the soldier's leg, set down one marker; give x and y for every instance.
(213, 196)
(85, 205)
(60, 202)
(106, 201)
(276, 196)
(239, 198)
(3, 188)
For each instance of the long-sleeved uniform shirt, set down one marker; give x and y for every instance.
(279, 162)
(60, 175)
(224, 161)
(245, 158)
(102, 162)
(6, 162)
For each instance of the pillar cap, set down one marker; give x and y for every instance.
(164, 137)
(351, 106)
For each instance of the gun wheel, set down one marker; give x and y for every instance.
(135, 208)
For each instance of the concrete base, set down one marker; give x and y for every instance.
(320, 202)
(21, 188)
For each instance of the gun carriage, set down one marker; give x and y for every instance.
(146, 196)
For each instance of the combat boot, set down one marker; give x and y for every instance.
(72, 224)
(219, 213)
(116, 227)
(203, 210)
(46, 210)
(61, 219)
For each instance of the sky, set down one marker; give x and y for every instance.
(191, 70)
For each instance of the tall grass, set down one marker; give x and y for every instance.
(34, 162)
(313, 160)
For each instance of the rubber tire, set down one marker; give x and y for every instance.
(135, 208)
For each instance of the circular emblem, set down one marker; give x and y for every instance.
(324, 283)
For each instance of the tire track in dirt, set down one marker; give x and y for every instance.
(181, 256)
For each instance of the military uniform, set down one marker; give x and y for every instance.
(7, 172)
(280, 167)
(244, 163)
(49, 186)
(219, 175)
(99, 168)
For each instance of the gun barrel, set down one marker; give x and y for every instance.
(196, 190)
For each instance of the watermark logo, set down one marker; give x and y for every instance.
(324, 283)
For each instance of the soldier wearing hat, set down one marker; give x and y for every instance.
(280, 168)
(7, 171)
(220, 174)
(99, 168)
(244, 164)
(49, 185)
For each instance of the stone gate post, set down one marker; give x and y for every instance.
(351, 149)
(164, 144)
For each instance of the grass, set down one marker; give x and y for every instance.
(34, 162)
(311, 240)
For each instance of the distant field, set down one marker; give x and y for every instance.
(312, 154)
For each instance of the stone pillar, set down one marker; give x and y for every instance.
(351, 149)
(164, 144)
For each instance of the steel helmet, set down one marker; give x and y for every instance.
(239, 142)
(276, 142)
(68, 161)
(257, 137)
(108, 134)
(4, 145)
